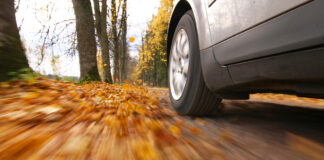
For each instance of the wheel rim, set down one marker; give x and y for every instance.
(179, 64)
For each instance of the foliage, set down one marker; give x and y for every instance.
(24, 74)
(152, 67)
(49, 119)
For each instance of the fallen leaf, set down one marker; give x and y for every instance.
(174, 130)
(194, 130)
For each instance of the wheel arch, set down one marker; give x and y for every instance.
(200, 13)
(181, 8)
(212, 71)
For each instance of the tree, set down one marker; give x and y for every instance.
(115, 37)
(101, 27)
(124, 51)
(152, 67)
(86, 39)
(11, 51)
(52, 35)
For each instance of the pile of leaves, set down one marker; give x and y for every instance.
(288, 100)
(48, 119)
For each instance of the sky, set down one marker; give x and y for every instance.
(140, 12)
(32, 14)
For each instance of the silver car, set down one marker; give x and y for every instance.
(227, 49)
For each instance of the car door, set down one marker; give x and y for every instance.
(228, 18)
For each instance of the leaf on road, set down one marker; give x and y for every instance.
(49, 119)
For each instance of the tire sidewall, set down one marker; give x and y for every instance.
(184, 104)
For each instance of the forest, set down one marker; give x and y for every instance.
(152, 66)
(98, 35)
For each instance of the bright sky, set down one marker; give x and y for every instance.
(139, 14)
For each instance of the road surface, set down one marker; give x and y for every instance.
(250, 129)
(48, 119)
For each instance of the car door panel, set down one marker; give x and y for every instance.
(297, 29)
(229, 17)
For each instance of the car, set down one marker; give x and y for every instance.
(228, 49)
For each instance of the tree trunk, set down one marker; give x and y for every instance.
(115, 39)
(86, 40)
(11, 51)
(101, 27)
(124, 53)
(143, 59)
(154, 69)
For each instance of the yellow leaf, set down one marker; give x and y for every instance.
(226, 136)
(31, 81)
(31, 95)
(194, 130)
(48, 109)
(174, 130)
(200, 121)
(144, 150)
(131, 39)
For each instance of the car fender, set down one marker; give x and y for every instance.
(201, 19)
(215, 76)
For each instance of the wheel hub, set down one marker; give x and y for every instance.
(179, 64)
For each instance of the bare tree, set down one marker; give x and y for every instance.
(124, 51)
(86, 39)
(101, 27)
(114, 15)
(11, 51)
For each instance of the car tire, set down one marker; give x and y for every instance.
(195, 99)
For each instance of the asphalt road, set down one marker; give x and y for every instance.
(258, 130)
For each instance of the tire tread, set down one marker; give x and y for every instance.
(206, 103)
